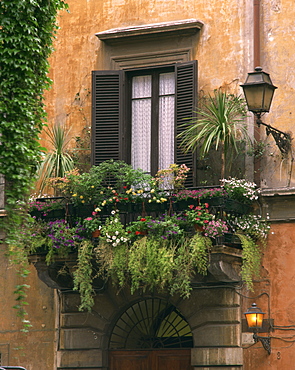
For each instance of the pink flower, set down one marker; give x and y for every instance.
(89, 219)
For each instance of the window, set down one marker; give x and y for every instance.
(137, 115)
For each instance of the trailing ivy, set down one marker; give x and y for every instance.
(27, 30)
(26, 36)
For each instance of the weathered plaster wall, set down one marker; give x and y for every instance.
(222, 50)
(35, 350)
(277, 58)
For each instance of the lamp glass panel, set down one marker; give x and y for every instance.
(268, 95)
(254, 78)
(254, 97)
(266, 78)
(254, 320)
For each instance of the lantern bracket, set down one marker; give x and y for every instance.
(265, 341)
(282, 139)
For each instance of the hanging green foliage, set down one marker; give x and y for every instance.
(26, 37)
(27, 29)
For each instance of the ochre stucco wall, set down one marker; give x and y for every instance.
(224, 52)
(34, 350)
(278, 282)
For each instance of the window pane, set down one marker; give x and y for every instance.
(166, 119)
(141, 87)
(141, 123)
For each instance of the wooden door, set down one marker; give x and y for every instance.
(175, 359)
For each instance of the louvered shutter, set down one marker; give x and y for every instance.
(106, 115)
(186, 102)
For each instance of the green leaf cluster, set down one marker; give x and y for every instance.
(26, 36)
(27, 29)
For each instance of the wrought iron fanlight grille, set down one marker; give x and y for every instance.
(151, 323)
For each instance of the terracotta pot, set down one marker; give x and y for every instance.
(198, 228)
(141, 232)
(96, 233)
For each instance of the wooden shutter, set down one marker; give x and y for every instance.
(106, 115)
(186, 102)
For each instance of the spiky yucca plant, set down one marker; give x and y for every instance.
(57, 161)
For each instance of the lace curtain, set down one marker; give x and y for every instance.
(141, 141)
(141, 122)
(166, 119)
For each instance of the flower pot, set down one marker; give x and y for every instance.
(198, 228)
(228, 239)
(83, 210)
(49, 215)
(182, 205)
(233, 206)
(95, 234)
(228, 205)
(154, 207)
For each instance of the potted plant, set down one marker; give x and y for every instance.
(172, 178)
(113, 231)
(92, 224)
(46, 208)
(220, 123)
(138, 228)
(215, 229)
(199, 216)
(57, 161)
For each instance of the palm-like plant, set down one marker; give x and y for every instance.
(220, 123)
(57, 160)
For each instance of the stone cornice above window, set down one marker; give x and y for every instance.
(181, 27)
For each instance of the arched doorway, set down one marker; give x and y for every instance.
(151, 334)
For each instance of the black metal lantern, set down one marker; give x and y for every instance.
(254, 317)
(258, 91)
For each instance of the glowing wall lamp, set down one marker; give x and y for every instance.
(254, 317)
(259, 90)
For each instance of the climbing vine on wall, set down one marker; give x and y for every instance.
(27, 30)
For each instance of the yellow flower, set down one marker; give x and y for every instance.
(83, 201)
(150, 201)
(92, 186)
(158, 201)
(153, 190)
(129, 191)
(163, 200)
(74, 195)
(140, 191)
(97, 209)
(104, 203)
(101, 192)
(81, 196)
